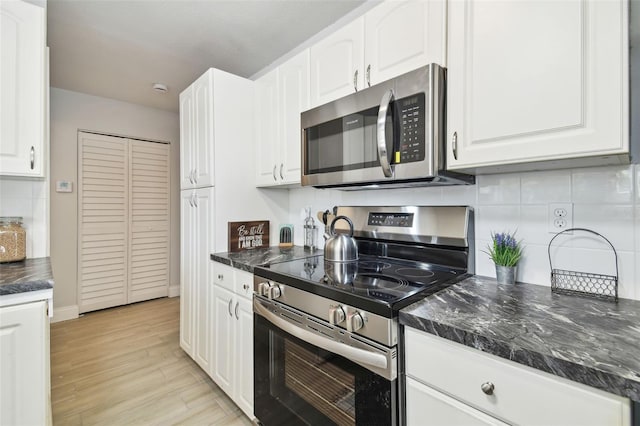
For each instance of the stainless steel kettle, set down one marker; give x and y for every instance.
(340, 247)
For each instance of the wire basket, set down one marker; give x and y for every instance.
(598, 286)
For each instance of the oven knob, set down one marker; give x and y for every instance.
(274, 291)
(263, 288)
(354, 322)
(336, 315)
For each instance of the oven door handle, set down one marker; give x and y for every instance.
(354, 354)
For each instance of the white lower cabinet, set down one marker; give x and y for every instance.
(232, 367)
(441, 409)
(196, 243)
(451, 384)
(25, 391)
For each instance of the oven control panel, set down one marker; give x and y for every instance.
(399, 220)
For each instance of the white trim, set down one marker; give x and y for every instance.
(174, 290)
(65, 313)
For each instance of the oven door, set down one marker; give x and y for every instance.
(307, 372)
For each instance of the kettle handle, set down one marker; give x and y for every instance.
(337, 218)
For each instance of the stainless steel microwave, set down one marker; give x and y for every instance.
(392, 133)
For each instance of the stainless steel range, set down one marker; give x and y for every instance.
(326, 332)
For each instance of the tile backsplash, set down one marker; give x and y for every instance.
(605, 199)
(30, 200)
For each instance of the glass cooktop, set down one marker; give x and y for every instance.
(379, 279)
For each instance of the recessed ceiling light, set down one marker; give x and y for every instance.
(160, 88)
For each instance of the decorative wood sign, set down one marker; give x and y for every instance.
(248, 235)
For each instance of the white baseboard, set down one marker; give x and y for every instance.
(65, 313)
(174, 290)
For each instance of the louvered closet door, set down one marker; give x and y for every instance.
(149, 220)
(103, 221)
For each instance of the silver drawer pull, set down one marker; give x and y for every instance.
(32, 156)
(230, 303)
(487, 388)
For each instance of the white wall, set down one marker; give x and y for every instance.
(70, 112)
(28, 198)
(605, 199)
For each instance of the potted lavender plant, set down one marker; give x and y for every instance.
(505, 251)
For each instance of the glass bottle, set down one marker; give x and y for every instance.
(310, 232)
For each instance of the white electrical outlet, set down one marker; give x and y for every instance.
(560, 217)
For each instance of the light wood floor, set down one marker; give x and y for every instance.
(124, 366)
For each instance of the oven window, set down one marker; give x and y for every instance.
(327, 387)
(298, 383)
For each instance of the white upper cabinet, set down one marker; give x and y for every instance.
(24, 93)
(293, 99)
(266, 107)
(391, 39)
(536, 81)
(197, 127)
(401, 36)
(336, 64)
(280, 97)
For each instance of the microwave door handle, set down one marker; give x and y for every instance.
(387, 98)
(355, 354)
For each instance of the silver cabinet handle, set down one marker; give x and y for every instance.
(230, 303)
(191, 200)
(281, 167)
(220, 277)
(236, 310)
(195, 200)
(195, 176)
(355, 81)
(487, 388)
(245, 286)
(387, 98)
(274, 173)
(32, 156)
(369, 75)
(454, 145)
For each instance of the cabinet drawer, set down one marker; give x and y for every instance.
(244, 283)
(520, 394)
(424, 402)
(223, 275)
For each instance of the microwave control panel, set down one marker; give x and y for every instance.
(412, 129)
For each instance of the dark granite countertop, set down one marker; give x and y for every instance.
(246, 260)
(588, 341)
(24, 276)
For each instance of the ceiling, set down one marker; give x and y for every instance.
(118, 49)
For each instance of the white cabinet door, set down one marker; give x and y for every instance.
(401, 36)
(428, 406)
(202, 279)
(266, 136)
(203, 130)
(337, 64)
(223, 349)
(536, 81)
(197, 133)
(24, 365)
(22, 84)
(243, 358)
(187, 271)
(187, 150)
(294, 98)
